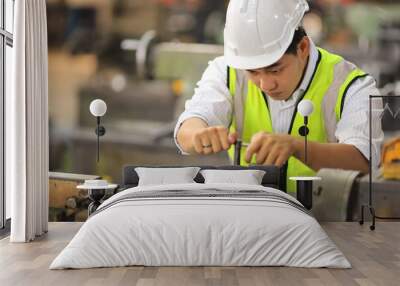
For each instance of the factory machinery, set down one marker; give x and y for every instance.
(145, 98)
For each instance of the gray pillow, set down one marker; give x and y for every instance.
(162, 176)
(248, 177)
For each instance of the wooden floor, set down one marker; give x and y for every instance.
(375, 257)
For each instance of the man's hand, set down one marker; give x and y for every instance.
(213, 139)
(272, 149)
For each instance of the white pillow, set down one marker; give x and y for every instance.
(162, 176)
(249, 177)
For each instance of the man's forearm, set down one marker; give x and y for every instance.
(185, 133)
(331, 155)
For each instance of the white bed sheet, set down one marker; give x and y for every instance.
(200, 231)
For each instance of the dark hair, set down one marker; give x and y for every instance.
(299, 34)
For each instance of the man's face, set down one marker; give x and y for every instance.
(280, 80)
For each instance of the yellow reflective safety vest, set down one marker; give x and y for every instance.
(327, 90)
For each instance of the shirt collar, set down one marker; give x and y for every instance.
(312, 65)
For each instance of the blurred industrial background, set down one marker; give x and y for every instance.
(143, 58)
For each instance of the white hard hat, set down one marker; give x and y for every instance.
(258, 32)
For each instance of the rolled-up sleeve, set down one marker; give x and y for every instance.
(353, 127)
(211, 101)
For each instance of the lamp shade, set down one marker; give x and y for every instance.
(98, 107)
(305, 107)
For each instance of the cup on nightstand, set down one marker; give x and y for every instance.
(96, 191)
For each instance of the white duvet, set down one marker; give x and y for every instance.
(183, 231)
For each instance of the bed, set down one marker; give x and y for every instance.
(201, 223)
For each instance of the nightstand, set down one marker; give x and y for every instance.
(97, 192)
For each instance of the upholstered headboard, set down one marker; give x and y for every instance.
(272, 177)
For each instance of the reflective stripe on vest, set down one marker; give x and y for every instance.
(327, 90)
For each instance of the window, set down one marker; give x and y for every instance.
(6, 44)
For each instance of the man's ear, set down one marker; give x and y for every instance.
(304, 48)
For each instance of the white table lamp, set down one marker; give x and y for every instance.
(98, 108)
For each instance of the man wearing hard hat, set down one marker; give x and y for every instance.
(252, 93)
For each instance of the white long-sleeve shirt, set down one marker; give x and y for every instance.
(212, 102)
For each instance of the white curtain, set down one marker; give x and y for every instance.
(27, 124)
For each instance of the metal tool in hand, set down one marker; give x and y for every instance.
(238, 146)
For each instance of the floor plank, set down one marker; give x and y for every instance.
(374, 255)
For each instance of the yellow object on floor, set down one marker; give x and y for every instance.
(391, 159)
